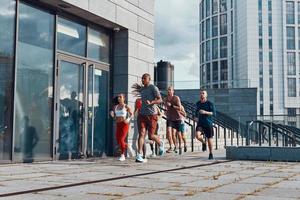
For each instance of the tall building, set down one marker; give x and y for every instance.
(61, 62)
(253, 44)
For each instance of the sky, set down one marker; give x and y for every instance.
(176, 39)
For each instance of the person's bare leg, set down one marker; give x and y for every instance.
(174, 131)
(169, 136)
(199, 137)
(141, 140)
(210, 144)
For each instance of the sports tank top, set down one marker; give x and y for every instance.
(121, 113)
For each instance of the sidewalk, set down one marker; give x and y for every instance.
(160, 178)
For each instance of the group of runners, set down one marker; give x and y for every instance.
(148, 113)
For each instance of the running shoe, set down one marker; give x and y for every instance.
(170, 150)
(139, 158)
(185, 149)
(210, 157)
(122, 157)
(203, 146)
(161, 148)
(145, 160)
(175, 150)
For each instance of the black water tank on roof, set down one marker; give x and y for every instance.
(164, 75)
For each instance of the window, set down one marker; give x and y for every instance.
(34, 82)
(298, 38)
(203, 74)
(260, 43)
(260, 30)
(202, 10)
(291, 87)
(207, 28)
(214, 26)
(223, 47)
(214, 6)
(291, 111)
(270, 18)
(271, 82)
(260, 18)
(203, 31)
(231, 17)
(298, 12)
(261, 83)
(71, 37)
(271, 109)
(270, 56)
(260, 55)
(215, 49)
(215, 72)
(98, 45)
(232, 45)
(223, 24)
(7, 55)
(260, 5)
(270, 44)
(208, 72)
(223, 5)
(290, 12)
(203, 52)
(261, 109)
(201, 14)
(207, 8)
(291, 63)
(208, 51)
(270, 30)
(290, 32)
(224, 70)
(269, 5)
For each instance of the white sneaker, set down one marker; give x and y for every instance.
(122, 157)
(145, 160)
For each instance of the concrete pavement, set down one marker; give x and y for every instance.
(190, 176)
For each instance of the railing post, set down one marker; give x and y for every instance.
(216, 136)
(193, 135)
(231, 136)
(270, 143)
(224, 137)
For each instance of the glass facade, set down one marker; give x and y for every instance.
(213, 39)
(30, 82)
(34, 84)
(7, 38)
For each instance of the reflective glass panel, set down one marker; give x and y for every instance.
(70, 110)
(98, 46)
(98, 113)
(7, 21)
(71, 37)
(34, 85)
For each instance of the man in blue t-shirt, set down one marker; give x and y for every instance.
(204, 111)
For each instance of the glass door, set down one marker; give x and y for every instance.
(81, 119)
(70, 108)
(98, 110)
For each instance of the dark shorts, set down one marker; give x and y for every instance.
(207, 131)
(148, 122)
(174, 124)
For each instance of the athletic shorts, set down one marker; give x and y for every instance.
(148, 122)
(182, 127)
(174, 124)
(207, 131)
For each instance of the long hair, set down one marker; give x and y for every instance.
(136, 89)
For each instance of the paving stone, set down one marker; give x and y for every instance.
(238, 188)
(280, 192)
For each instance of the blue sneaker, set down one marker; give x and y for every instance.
(161, 148)
(139, 158)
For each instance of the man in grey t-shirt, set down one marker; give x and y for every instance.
(147, 119)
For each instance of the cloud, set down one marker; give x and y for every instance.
(176, 36)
